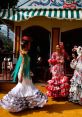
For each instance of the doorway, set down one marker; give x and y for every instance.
(71, 38)
(39, 52)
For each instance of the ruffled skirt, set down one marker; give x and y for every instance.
(75, 92)
(23, 95)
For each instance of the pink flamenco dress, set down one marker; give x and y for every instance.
(58, 86)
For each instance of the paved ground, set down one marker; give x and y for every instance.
(53, 108)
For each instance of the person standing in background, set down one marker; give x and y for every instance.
(58, 86)
(75, 92)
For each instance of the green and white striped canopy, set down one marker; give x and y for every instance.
(23, 14)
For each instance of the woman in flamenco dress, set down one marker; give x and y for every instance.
(58, 86)
(24, 95)
(75, 92)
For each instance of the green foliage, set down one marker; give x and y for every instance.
(4, 4)
(7, 45)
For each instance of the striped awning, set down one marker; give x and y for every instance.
(23, 14)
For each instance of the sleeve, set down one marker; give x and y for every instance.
(61, 60)
(73, 64)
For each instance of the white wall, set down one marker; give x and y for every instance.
(49, 23)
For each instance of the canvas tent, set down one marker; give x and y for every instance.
(24, 14)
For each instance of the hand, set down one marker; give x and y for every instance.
(31, 73)
(23, 52)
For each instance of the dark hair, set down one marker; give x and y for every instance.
(75, 53)
(24, 43)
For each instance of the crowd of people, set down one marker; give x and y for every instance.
(25, 95)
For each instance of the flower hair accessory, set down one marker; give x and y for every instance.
(26, 38)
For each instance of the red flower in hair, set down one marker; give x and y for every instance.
(26, 38)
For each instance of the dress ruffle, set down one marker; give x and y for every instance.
(75, 92)
(23, 95)
(58, 86)
(19, 98)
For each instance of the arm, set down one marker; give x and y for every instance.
(61, 60)
(73, 64)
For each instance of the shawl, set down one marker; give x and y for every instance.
(26, 67)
